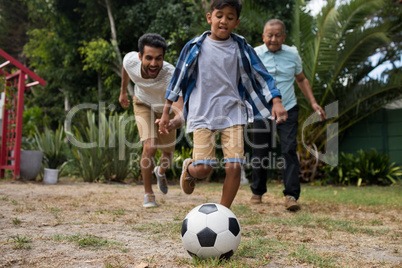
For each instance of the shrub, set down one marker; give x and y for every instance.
(366, 167)
(102, 152)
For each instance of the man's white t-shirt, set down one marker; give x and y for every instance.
(150, 91)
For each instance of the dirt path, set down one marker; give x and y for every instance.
(63, 220)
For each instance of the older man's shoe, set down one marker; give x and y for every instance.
(256, 199)
(291, 203)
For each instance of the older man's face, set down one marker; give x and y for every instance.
(274, 37)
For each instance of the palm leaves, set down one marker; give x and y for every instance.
(335, 49)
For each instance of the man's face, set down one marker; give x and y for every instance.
(152, 61)
(223, 22)
(273, 37)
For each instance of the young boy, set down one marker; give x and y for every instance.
(217, 72)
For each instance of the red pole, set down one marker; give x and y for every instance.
(18, 132)
(3, 159)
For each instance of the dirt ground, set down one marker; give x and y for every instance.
(52, 215)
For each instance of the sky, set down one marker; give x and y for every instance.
(315, 6)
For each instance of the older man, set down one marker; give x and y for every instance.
(284, 64)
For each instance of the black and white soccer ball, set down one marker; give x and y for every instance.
(211, 230)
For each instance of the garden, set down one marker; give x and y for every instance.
(80, 224)
(93, 215)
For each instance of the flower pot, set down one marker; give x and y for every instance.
(30, 164)
(50, 176)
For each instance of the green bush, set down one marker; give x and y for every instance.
(119, 157)
(103, 153)
(366, 167)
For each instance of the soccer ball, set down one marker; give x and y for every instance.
(211, 230)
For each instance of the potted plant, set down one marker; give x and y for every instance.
(51, 143)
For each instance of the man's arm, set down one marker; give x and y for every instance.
(125, 80)
(305, 88)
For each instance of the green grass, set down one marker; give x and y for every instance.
(264, 233)
(160, 230)
(305, 255)
(270, 235)
(16, 221)
(357, 196)
(307, 220)
(119, 212)
(87, 241)
(115, 265)
(20, 242)
(259, 246)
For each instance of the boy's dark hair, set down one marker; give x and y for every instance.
(152, 40)
(220, 4)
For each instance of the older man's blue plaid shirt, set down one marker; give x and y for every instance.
(254, 78)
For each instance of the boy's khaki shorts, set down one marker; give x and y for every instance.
(232, 143)
(147, 128)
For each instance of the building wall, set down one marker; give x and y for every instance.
(381, 130)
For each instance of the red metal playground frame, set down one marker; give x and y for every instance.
(12, 113)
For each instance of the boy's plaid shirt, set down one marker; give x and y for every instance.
(254, 78)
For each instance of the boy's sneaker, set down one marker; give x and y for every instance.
(149, 201)
(291, 203)
(187, 182)
(162, 181)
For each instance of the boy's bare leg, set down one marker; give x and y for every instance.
(166, 160)
(199, 171)
(147, 164)
(231, 184)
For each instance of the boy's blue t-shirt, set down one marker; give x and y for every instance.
(254, 78)
(215, 101)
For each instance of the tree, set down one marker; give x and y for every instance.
(256, 13)
(336, 48)
(13, 27)
(52, 52)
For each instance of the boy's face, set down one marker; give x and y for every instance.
(152, 61)
(223, 22)
(273, 37)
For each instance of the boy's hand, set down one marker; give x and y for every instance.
(164, 124)
(174, 123)
(123, 99)
(278, 112)
(169, 128)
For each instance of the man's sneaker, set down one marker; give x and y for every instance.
(256, 199)
(187, 182)
(291, 203)
(162, 182)
(149, 201)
